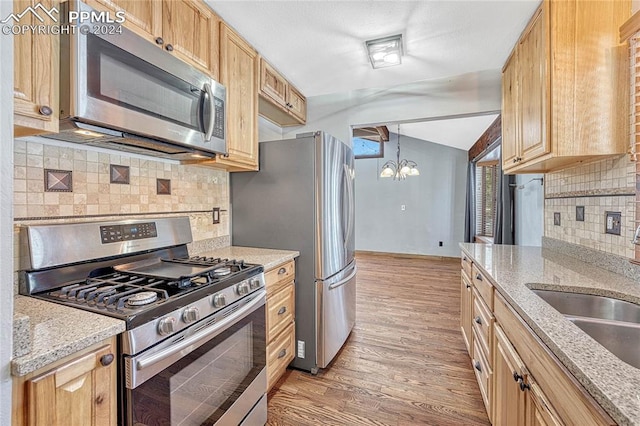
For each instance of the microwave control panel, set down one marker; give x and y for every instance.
(218, 128)
(135, 231)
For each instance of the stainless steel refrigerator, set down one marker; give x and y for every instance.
(303, 199)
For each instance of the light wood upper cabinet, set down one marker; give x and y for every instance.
(35, 87)
(187, 28)
(239, 73)
(144, 17)
(570, 105)
(78, 390)
(280, 102)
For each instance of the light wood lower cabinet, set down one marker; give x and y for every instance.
(280, 285)
(80, 389)
(522, 383)
(465, 309)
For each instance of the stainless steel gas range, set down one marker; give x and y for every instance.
(194, 347)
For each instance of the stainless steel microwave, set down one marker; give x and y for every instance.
(120, 91)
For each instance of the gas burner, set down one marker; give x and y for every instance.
(142, 298)
(221, 272)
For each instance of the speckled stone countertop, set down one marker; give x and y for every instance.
(268, 258)
(57, 331)
(516, 270)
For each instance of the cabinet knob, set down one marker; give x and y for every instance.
(477, 366)
(524, 386)
(169, 48)
(517, 377)
(282, 353)
(468, 286)
(106, 359)
(478, 320)
(45, 110)
(282, 271)
(282, 310)
(478, 277)
(159, 40)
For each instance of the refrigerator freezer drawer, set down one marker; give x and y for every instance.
(336, 299)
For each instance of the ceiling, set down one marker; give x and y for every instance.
(319, 46)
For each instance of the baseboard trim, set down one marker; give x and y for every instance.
(405, 255)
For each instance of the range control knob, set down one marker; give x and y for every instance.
(254, 283)
(190, 314)
(166, 326)
(242, 288)
(219, 300)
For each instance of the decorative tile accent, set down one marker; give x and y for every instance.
(119, 174)
(58, 181)
(556, 218)
(163, 186)
(579, 213)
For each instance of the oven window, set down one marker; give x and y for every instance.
(199, 388)
(117, 77)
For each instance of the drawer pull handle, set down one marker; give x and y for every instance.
(282, 353)
(464, 258)
(282, 271)
(477, 366)
(517, 377)
(478, 277)
(478, 320)
(282, 310)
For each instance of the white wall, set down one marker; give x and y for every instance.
(529, 220)
(6, 218)
(267, 131)
(434, 201)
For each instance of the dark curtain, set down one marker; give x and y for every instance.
(470, 209)
(503, 228)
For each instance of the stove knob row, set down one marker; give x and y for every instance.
(166, 326)
(254, 283)
(243, 288)
(219, 300)
(191, 314)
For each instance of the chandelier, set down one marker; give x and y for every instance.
(399, 169)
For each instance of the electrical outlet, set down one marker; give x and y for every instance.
(612, 223)
(403, 207)
(300, 348)
(440, 243)
(215, 214)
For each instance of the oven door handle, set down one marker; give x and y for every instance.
(189, 344)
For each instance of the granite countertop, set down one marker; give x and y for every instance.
(516, 270)
(56, 331)
(269, 258)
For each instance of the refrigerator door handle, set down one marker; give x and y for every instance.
(351, 213)
(345, 280)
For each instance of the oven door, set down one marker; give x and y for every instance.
(211, 373)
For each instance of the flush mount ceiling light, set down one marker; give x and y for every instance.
(385, 52)
(399, 169)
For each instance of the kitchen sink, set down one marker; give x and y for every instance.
(613, 323)
(588, 305)
(621, 338)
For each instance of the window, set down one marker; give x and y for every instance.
(486, 191)
(366, 148)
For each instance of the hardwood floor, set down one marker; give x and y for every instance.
(405, 362)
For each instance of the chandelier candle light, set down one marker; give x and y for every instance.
(399, 169)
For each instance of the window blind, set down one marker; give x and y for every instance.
(486, 189)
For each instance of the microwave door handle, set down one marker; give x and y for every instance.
(212, 107)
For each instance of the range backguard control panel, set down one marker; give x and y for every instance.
(134, 231)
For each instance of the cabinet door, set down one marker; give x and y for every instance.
(239, 73)
(510, 132)
(272, 84)
(297, 105)
(533, 96)
(81, 392)
(509, 401)
(190, 31)
(540, 412)
(144, 17)
(35, 76)
(465, 310)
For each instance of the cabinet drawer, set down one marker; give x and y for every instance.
(279, 276)
(280, 353)
(483, 285)
(483, 373)
(280, 308)
(466, 264)
(482, 321)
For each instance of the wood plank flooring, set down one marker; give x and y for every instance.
(405, 362)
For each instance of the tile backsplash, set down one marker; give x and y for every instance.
(195, 190)
(605, 185)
